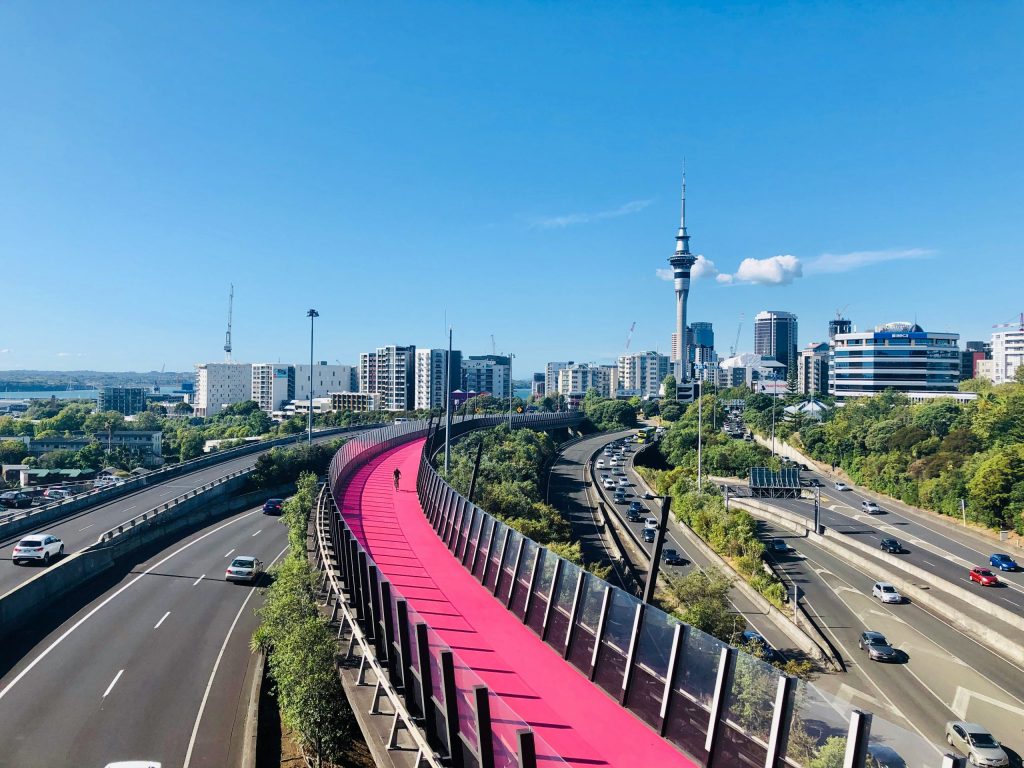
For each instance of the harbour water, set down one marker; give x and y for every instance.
(46, 394)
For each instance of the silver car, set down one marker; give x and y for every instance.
(975, 742)
(245, 568)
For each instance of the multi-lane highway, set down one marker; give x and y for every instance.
(153, 668)
(82, 528)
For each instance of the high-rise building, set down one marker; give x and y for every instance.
(837, 326)
(551, 375)
(390, 373)
(812, 369)
(430, 376)
(126, 400)
(487, 373)
(900, 356)
(273, 385)
(1007, 353)
(681, 262)
(703, 334)
(537, 386)
(579, 379)
(641, 373)
(326, 379)
(221, 384)
(973, 352)
(775, 337)
(749, 369)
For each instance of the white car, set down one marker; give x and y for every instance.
(609, 483)
(870, 507)
(841, 486)
(623, 481)
(57, 494)
(651, 522)
(38, 546)
(244, 568)
(600, 462)
(886, 592)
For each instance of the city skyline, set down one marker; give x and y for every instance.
(333, 198)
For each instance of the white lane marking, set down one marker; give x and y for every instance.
(17, 679)
(157, 625)
(199, 579)
(216, 664)
(113, 683)
(228, 552)
(1008, 600)
(90, 525)
(133, 506)
(928, 562)
(257, 533)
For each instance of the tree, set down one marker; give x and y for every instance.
(62, 458)
(830, 754)
(104, 421)
(704, 597)
(182, 408)
(668, 384)
(147, 421)
(191, 445)
(12, 451)
(671, 411)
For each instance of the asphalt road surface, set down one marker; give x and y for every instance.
(82, 528)
(153, 668)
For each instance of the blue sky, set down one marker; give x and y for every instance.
(512, 166)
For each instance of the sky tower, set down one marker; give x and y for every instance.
(682, 260)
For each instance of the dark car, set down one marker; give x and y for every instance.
(892, 546)
(1003, 562)
(15, 499)
(672, 557)
(778, 546)
(815, 483)
(273, 507)
(804, 468)
(636, 506)
(649, 534)
(633, 515)
(877, 647)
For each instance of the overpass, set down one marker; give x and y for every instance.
(501, 653)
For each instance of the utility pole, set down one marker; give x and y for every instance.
(510, 391)
(700, 432)
(652, 576)
(817, 509)
(963, 511)
(448, 403)
(311, 314)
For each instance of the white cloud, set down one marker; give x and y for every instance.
(700, 269)
(70, 354)
(571, 219)
(830, 263)
(774, 270)
(4, 351)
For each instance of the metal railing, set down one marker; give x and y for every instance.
(108, 493)
(457, 720)
(717, 705)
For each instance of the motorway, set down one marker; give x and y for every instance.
(153, 668)
(82, 528)
(569, 491)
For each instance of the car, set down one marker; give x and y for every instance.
(983, 576)
(620, 498)
(756, 641)
(876, 646)
(672, 557)
(1002, 562)
(975, 742)
(632, 515)
(15, 499)
(273, 506)
(609, 483)
(841, 486)
(870, 507)
(648, 495)
(649, 535)
(38, 546)
(892, 546)
(815, 483)
(636, 506)
(651, 522)
(886, 757)
(244, 568)
(886, 592)
(778, 546)
(804, 468)
(623, 481)
(600, 462)
(57, 494)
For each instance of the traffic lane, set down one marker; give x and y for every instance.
(57, 709)
(946, 674)
(871, 529)
(82, 529)
(919, 532)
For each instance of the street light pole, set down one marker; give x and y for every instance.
(448, 403)
(773, 379)
(700, 429)
(311, 314)
(510, 391)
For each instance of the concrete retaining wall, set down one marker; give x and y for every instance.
(906, 577)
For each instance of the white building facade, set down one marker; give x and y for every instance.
(221, 384)
(389, 373)
(273, 385)
(579, 379)
(551, 375)
(1007, 355)
(641, 373)
(487, 373)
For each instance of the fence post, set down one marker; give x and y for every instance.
(402, 608)
(451, 708)
(726, 662)
(574, 614)
(533, 583)
(527, 749)
(857, 739)
(426, 683)
(595, 656)
(485, 737)
(501, 562)
(552, 594)
(515, 573)
(375, 612)
(634, 639)
(675, 663)
(782, 716)
(389, 626)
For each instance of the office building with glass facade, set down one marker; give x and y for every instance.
(900, 356)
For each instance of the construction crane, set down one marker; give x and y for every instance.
(227, 336)
(732, 349)
(494, 348)
(839, 312)
(1019, 324)
(629, 336)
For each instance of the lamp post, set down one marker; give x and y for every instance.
(773, 378)
(700, 427)
(311, 314)
(510, 391)
(448, 402)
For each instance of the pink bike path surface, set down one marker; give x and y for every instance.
(582, 725)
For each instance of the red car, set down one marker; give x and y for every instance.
(984, 576)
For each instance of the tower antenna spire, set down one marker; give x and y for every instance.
(682, 211)
(227, 336)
